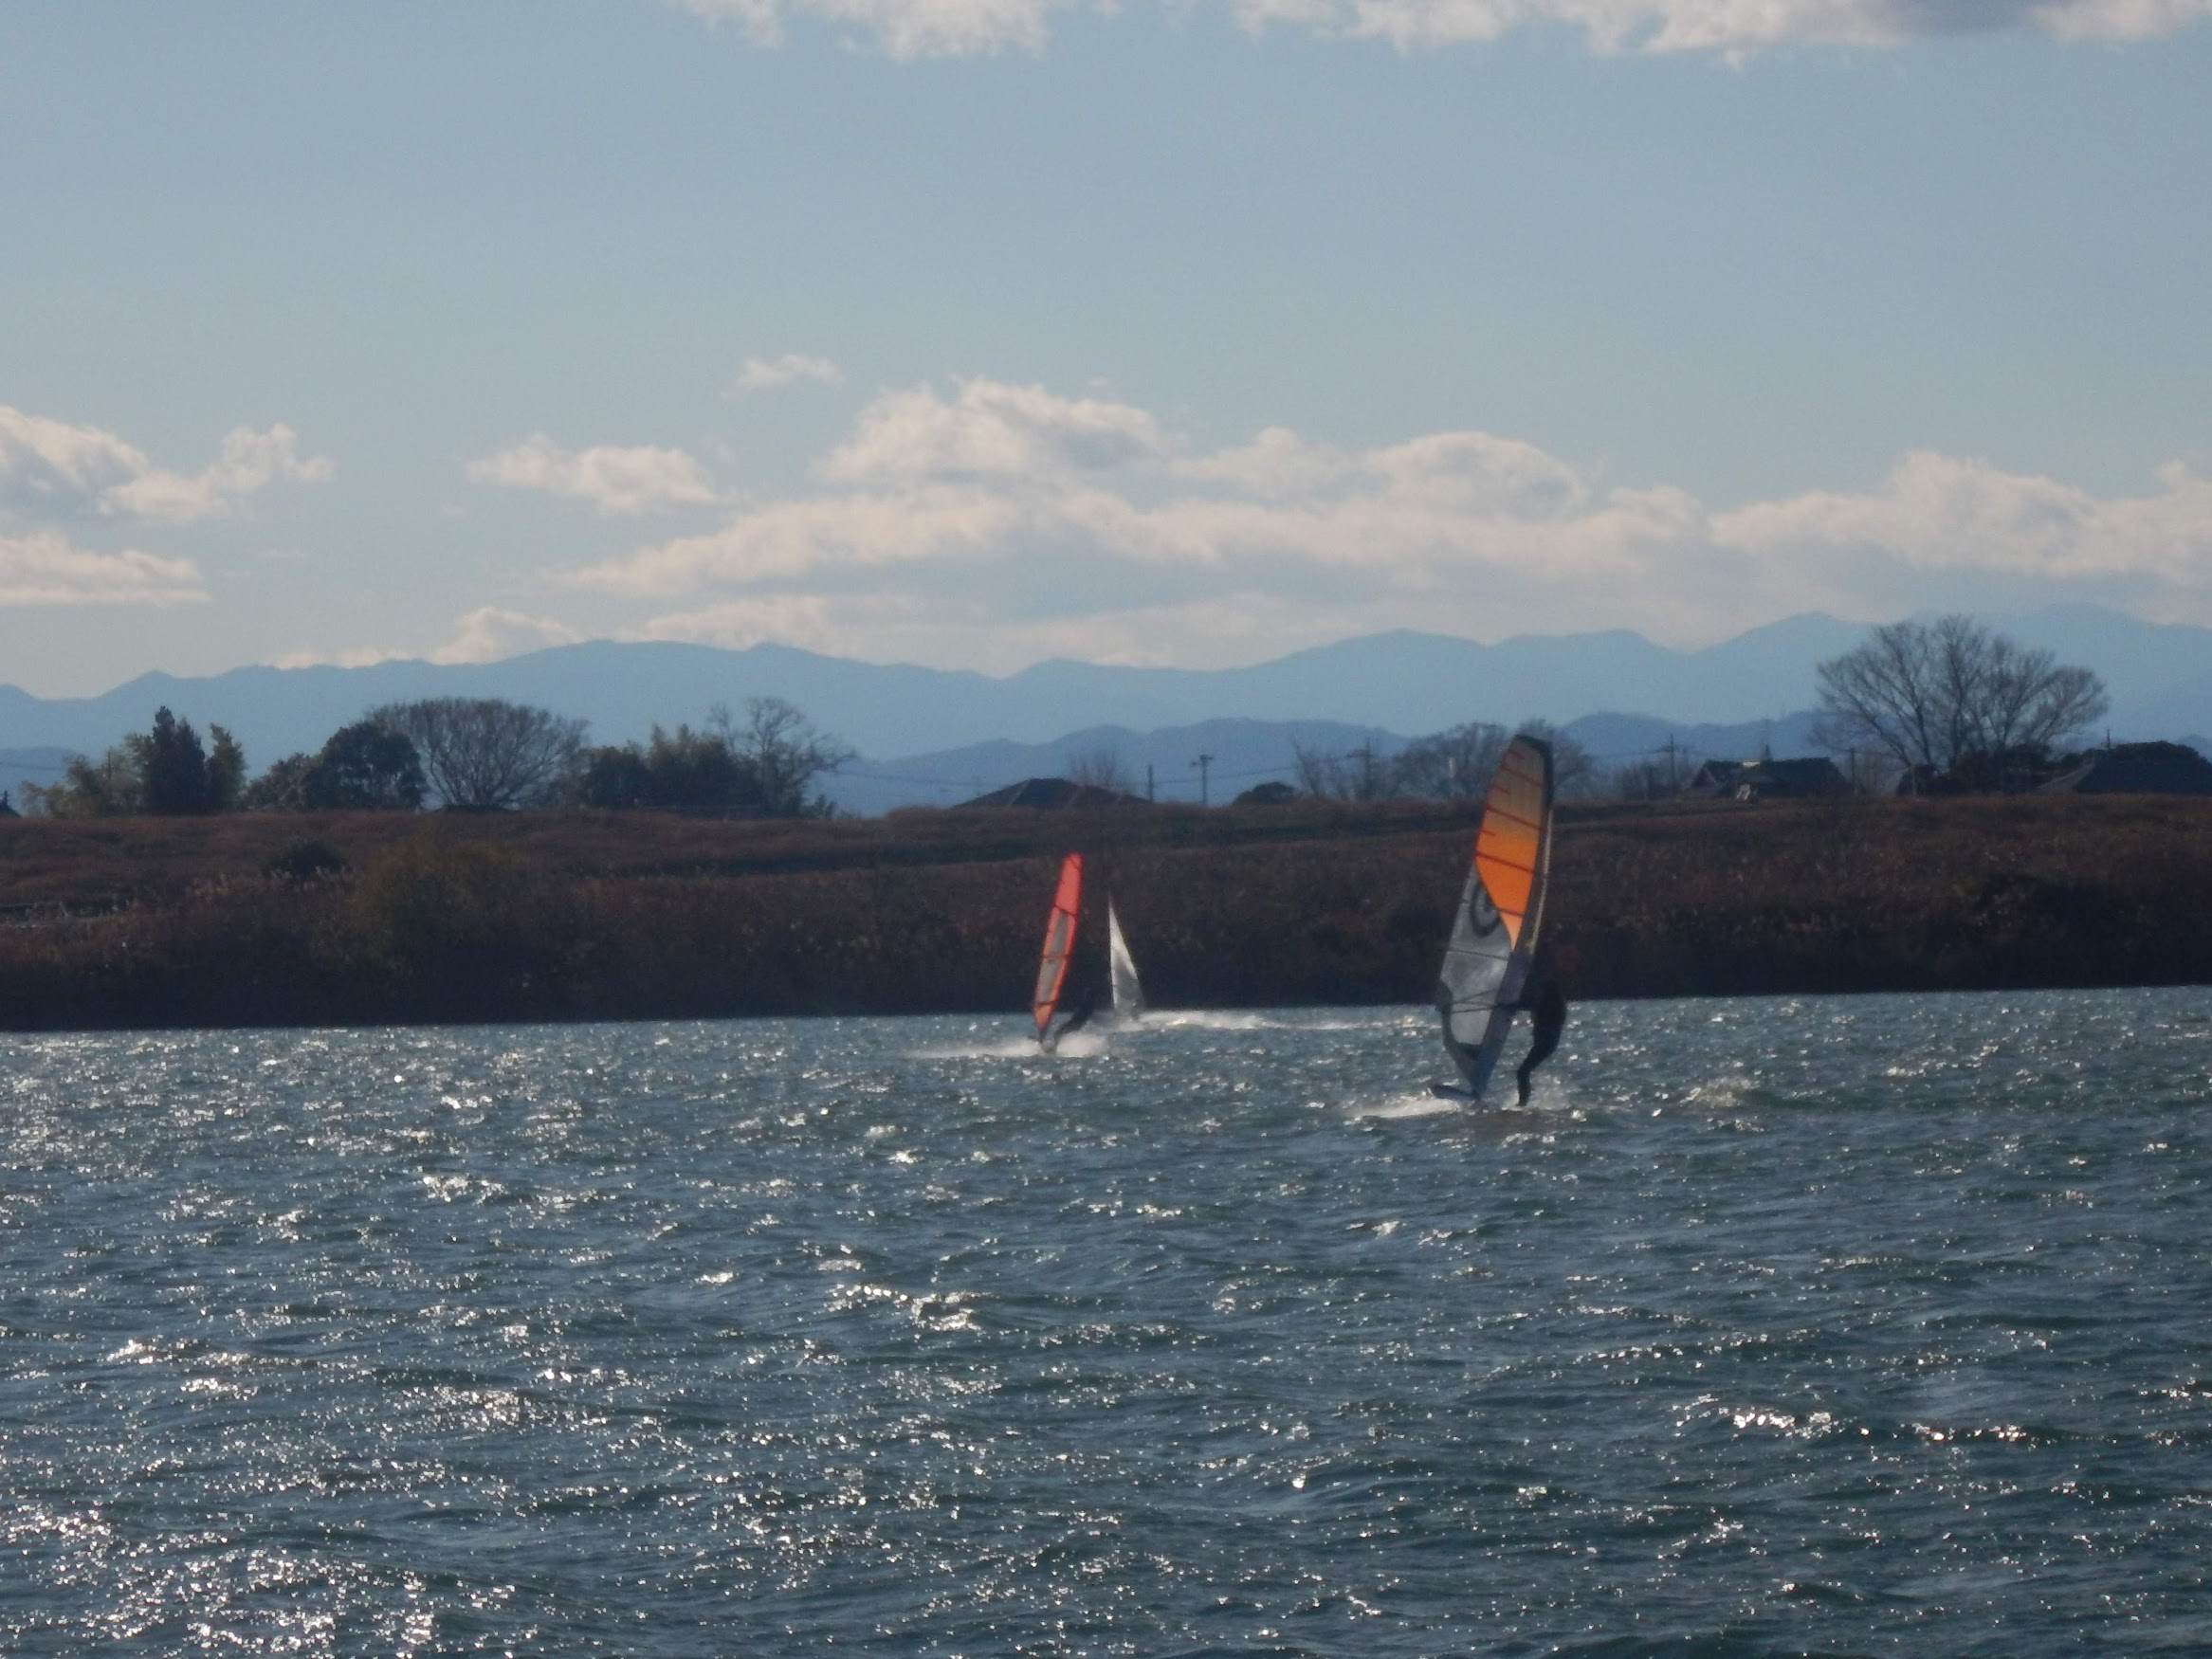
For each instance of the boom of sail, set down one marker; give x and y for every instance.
(1493, 935)
(1059, 943)
(1128, 994)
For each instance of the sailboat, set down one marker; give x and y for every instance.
(1128, 994)
(1501, 908)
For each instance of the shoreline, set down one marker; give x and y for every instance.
(145, 925)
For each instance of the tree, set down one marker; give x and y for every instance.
(1954, 698)
(178, 775)
(486, 753)
(165, 769)
(761, 770)
(368, 767)
(615, 776)
(1451, 764)
(1573, 773)
(1364, 774)
(1101, 768)
(683, 771)
(788, 753)
(1454, 764)
(365, 767)
(282, 788)
(89, 789)
(1644, 780)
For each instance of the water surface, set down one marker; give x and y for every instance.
(1870, 1325)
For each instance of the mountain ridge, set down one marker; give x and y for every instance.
(1405, 682)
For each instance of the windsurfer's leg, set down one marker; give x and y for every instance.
(1548, 1020)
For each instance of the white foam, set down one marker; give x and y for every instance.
(1424, 1105)
(1075, 1046)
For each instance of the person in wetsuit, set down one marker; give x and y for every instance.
(1081, 1000)
(1547, 1015)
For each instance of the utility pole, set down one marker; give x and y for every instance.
(1148, 794)
(1202, 762)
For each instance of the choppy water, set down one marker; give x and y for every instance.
(1838, 1326)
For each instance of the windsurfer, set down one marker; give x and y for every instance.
(1547, 1007)
(1081, 1000)
(1086, 1005)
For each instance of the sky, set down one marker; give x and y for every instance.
(977, 332)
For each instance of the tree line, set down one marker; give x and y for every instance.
(1947, 705)
(1442, 766)
(463, 755)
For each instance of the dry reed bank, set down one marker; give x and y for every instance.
(344, 918)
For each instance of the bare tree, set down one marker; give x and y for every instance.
(1364, 774)
(1932, 695)
(2030, 703)
(1643, 780)
(1451, 764)
(1099, 767)
(487, 753)
(786, 751)
(1574, 773)
(1884, 693)
(1316, 768)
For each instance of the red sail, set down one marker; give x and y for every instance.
(1059, 943)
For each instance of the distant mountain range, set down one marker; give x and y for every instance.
(927, 734)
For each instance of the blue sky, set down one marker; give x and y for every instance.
(971, 331)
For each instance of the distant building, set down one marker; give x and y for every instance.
(1763, 780)
(2137, 769)
(1054, 793)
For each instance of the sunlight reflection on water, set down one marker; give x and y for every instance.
(1857, 1326)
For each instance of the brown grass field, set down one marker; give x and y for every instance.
(127, 922)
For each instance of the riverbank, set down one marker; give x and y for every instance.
(369, 918)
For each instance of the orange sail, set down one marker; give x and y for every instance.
(1510, 848)
(1059, 943)
(1493, 932)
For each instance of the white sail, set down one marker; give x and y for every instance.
(1480, 982)
(1128, 995)
(1501, 907)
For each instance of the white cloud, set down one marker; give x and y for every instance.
(613, 480)
(50, 467)
(1002, 522)
(991, 430)
(489, 634)
(351, 657)
(916, 29)
(1939, 512)
(45, 569)
(901, 28)
(52, 470)
(251, 461)
(762, 374)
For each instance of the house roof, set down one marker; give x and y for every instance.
(1054, 792)
(2112, 774)
(1807, 773)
